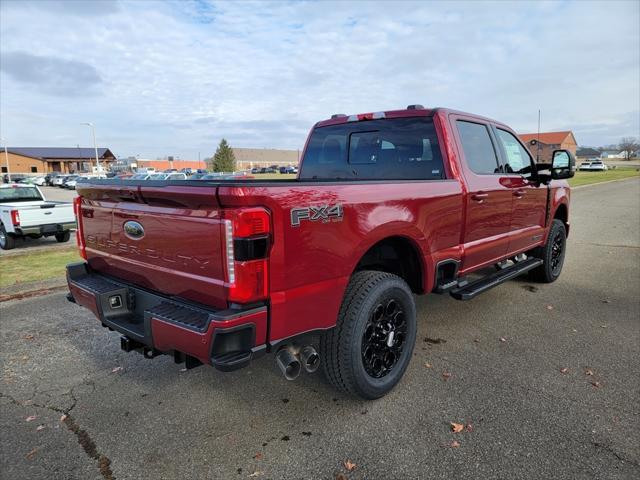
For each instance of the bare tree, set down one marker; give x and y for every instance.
(628, 145)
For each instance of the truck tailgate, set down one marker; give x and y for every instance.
(165, 238)
(46, 213)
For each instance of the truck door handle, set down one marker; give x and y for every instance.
(479, 197)
(519, 193)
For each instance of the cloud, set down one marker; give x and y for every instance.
(50, 74)
(172, 78)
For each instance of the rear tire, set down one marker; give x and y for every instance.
(7, 241)
(63, 237)
(552, 254)
(369, 349)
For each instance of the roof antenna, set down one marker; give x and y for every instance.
(538, 140)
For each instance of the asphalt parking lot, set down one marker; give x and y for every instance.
(545, 379)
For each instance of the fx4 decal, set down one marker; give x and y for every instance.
(323, 213)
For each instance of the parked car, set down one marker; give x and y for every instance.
(599, 166)
(585, 166)
(24, 212)
(255, 170)
(50, 177)
(322, 269)
(187, 171)
(58, 181)
(197, 176)
(288, 169)
(40, 181)
(67, 179)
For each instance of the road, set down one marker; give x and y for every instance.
(506, 351)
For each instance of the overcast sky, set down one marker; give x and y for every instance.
(173, 78)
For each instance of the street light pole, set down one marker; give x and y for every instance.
(6, 158)
(95, 146)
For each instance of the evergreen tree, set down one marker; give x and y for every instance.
(224, 160)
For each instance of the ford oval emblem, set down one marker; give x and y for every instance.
(133, 230)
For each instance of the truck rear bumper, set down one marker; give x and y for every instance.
(153, 323)
(49, 229)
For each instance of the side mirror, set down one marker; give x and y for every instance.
(563, 165)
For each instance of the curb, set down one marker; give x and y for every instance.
(603, 183)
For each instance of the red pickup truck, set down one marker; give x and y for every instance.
(321, 270)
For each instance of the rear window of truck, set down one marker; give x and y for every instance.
(384, 149)
(19, 194)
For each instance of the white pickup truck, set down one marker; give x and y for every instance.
(25, 213)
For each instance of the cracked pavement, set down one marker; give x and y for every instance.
(150, 419)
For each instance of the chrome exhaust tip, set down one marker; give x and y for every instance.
(288, 363)
(310, 359)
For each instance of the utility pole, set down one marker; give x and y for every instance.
(95, 146)
(6, 158)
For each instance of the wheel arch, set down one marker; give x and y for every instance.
(398, 254)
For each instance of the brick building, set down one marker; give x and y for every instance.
(542, 145)
(26, 160)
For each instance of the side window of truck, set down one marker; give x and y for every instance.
(516, 157)
(478, 148)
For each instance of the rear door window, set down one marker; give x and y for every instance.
(478, 148)
(384, 149)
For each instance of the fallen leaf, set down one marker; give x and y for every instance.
(31, 454)
(28, 337)
(456, 427)
(605, 301)
(477, 340)
(549, 307)
(603, 326)
(40, 427)
(574, 330)
(564, 370)
(530, 288)
(454, 444)
(31, 418)
(428, 365)
(63, 418)
(469, 427)
(502, 339)
(446, 375)
(588, 372)
(596, 384)
(258, 456)
(434, 341)
(349, 465)
(256, 474)
(117, 369)
(341, 476)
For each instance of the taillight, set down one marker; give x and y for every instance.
(15, 217)
(247, 239)
(77, 209)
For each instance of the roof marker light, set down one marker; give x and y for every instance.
(338, 115)
(417, 106)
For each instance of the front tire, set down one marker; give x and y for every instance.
(63, 237)
(7, 241)
(552, 254)
(369, 349)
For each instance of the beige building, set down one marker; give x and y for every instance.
(26, 160)
(265, 157)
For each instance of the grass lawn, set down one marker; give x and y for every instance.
(586, 178)
(35, 266)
